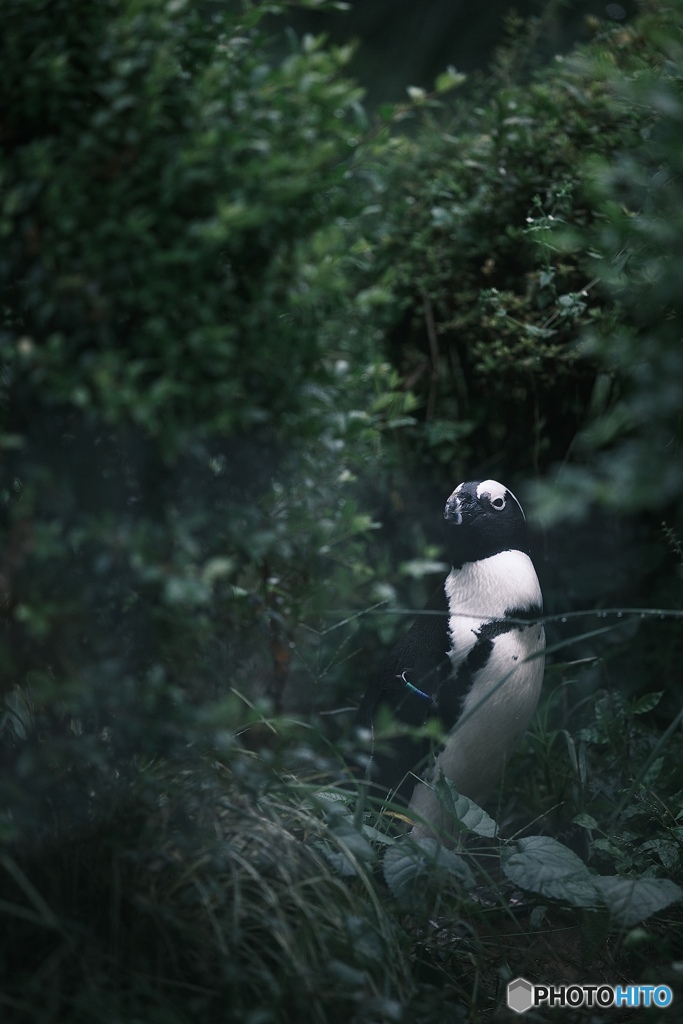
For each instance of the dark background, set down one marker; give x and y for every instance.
(408, 42)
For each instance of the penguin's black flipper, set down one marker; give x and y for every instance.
(408, 684)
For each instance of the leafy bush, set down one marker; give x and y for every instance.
(626, 454)
(486, 303)
(159, 178)
(179, 438)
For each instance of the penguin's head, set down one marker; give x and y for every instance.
(486, 519)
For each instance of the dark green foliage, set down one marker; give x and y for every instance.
(167, 195)
(189, 902)
(155, 195)
(483, 306)
(179, 435)
(631, 442)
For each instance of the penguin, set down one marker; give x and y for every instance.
(474, 659)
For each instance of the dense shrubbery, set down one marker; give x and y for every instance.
(628, 449)
(239, 323)
(179, 435)
(483, 293)
(176, 427)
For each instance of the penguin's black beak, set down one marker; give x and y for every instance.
(453, 511)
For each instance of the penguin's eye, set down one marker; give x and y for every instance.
(498, 503)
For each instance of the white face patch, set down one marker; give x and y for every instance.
(496, 493)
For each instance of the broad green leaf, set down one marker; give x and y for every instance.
(350, 849)
(469, 816)
(543, 865)
(413, 869)
(632, 900)
(646, 703)
(585, 821)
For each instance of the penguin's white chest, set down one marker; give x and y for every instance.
(503, 668)
(487, 590)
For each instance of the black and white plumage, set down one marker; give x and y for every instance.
(475, 659)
